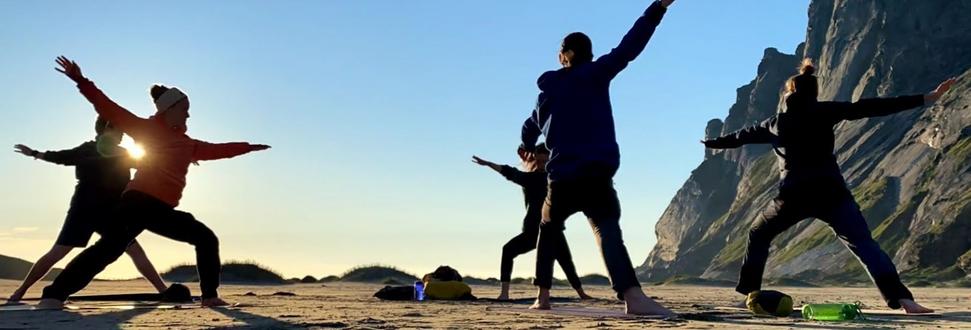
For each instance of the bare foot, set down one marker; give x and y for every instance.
(639, 304)
(583, 295)
(214, 302)
(15, 297)
(50, 304)
(542, 300)
(913, 307)
(503, 291)
(542, 305)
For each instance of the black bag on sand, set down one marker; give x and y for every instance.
(444, 273)
(396, 293)
(177, 293)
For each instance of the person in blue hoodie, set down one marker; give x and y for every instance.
(573, 112)
(812, 185)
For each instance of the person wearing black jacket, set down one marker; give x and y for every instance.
(574, 113)
(534, 183)
(812, 184)
(103, 170)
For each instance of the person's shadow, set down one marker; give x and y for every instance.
(68, 319)
(254, 321)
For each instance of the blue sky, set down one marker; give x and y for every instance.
(374, 109)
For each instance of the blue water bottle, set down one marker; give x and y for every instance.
(419, 291)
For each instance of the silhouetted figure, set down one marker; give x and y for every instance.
(534, 183)
(573, 111)
(102, 169)
(812, 184)
(150, 199)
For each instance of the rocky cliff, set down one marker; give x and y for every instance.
(910, 172)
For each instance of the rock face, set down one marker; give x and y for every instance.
(910, 172)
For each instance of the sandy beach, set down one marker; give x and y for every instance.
(350, 306)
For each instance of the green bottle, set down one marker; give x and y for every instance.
(831, 312)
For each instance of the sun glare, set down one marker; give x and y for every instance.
(134, 150)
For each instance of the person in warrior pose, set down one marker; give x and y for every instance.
(573, 111)
(149, 201)
(102, 169)
(812, 185)
(533, 181)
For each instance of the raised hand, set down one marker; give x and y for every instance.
(25, 150)
(525, 155)
(666, 3)
(939, 91)
(258, 147)
(69, 68)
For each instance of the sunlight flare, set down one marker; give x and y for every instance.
(134, 150)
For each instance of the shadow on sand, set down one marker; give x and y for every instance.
(254, 321)
(66, 319)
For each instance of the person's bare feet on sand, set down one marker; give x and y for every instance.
(639, 304)
(214, 302)
(50, 304)
(913, 307)
(542, 300)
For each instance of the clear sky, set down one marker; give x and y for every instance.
(374, 109)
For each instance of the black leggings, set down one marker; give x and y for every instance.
(836, 207)
(525, 242)
(597, 199)
(137, 212)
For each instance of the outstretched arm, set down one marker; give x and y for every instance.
(877, 107)
(69, 157)
(213, 151)
(486, 163)
(758, 134)
(635, 41)
(114, 113)
(509, 172)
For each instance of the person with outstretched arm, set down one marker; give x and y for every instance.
(573, 112)
(149, 201)
(533, 180)
(102, 169)
(812, 185)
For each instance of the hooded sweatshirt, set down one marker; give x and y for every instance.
(803, 135)
(573, 109)
(168, 152)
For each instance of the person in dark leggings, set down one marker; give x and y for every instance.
(812, 185)
(534, 183)
(573, 111)
(150, 199)
(102, 169)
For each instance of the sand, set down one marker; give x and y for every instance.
(350, 306)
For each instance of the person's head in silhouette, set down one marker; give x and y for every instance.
(106, 133)
(576, 49)
(802, 89)
(172, 106)
(108, 137)
(536, 161)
